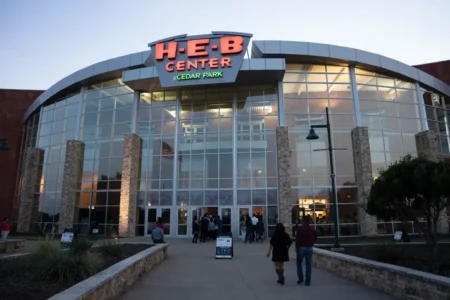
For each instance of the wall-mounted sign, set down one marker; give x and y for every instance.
(196, 60)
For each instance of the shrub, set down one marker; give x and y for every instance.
(55, 264)
(81, 245)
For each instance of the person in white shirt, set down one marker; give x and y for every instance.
(254, 222)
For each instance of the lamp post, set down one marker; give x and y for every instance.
(313, 136)
(3, 144)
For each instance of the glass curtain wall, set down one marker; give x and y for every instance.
(308, 90)
(156, 125)
(106, 115)
(389, 108)
(58, 124)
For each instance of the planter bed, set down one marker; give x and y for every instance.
(18, 279)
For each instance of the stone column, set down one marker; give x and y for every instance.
(284, 178)
(29, 189)
(132, 149)
(427, 144)
(71, 183)
(364, 179)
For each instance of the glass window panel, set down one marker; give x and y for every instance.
(337, 69)
(226, 166)
(294, 77)
(390, 124)
(406, 96)
(196, 198)
(122, 128)
(225, 183)
(272, 197)
(107, 103)
(117, 148)
(393, 141)
(343, 121)
(58, 125)
(295, 90)
(60, 113)
(57, 138)
(410, 125)
(340, 90)
(225, 197)
(296, 105)
(385, 81)
(344, 163)
(44, 141)
(341, 106)
(378, 161)
(89, 120)
(342, 140)
(72, 110)
(408, 111)
(271, 164)
(48, 116)
(376, 140)
(106, 117)
(244, 197)
(46, 128)
(387, 109)
(105, 131)
(71, 123)
(316, 90)
(367, 92)
(338, 78)
(371, 122)
(386, 94)
(259, 197)
(317, 105)
(211, 198)
(165, 198)
(244, 165)
(91, 106)
(393, 157)
(125, 100)
(316, 77)
(122, 115)
(320, 163)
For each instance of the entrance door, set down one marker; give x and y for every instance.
(243, 212)
(192, 213)
(225, 214)
(151, 217)
(183, 219)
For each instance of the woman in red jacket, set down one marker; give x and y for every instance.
(5, 228)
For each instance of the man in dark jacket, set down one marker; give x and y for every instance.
(204, 223)
(304, 242)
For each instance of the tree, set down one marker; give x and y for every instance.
(410, 189)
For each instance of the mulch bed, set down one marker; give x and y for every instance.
(26, 289)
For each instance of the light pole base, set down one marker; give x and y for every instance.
(340, 249)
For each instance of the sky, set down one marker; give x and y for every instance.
(43, 41)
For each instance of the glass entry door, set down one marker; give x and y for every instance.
(151, 217)
(225, 214)
(243, 212)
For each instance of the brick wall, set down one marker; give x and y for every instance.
(13, 104)
(440, 70)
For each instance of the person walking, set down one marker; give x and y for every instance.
(195, 229)
(6, 228)
(204, 224)
(304, 242)
(279, 246)
(260, 230)
(254, 222)
(248, 229)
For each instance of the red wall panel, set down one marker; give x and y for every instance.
(440, 70)
(13, 104)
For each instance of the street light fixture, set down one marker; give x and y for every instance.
(3, 144)
(313, 136)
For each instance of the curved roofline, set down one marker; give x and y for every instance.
(292, 51)
(331, 54)
(114, 65)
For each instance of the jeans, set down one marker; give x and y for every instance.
(4, 235)
(248, 234)
(306, 253)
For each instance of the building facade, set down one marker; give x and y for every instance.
(194, 127)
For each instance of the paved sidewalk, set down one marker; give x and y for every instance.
(191, 272)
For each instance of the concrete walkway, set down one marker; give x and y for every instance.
(191, 272)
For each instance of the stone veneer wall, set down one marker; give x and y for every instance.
(114, 281)
(71, 184)
(364, 179)
(427, 144)
(398, 281)
(284, 178)
(31, 178)
(132, 149)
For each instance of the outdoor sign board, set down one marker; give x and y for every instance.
(199, 60)
(224, 247)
